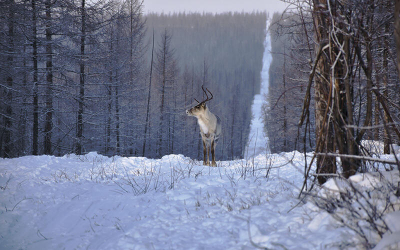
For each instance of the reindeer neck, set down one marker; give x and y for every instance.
(206, 116)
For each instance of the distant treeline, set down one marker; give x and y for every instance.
(78, 76)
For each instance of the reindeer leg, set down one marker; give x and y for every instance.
(214, 164)
(208, 154)
(205, 161)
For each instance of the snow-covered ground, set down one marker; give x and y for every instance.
(96, 202)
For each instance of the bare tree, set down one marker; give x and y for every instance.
(146, 125)
(165, 75)
(81, 97)
(49, 81)
(7, 86)
(35, 141)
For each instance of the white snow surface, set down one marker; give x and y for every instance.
(96, 202)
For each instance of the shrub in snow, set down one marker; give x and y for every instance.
(363, 203)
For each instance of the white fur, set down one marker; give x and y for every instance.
(203, 126)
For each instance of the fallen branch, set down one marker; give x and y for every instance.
(358, 157)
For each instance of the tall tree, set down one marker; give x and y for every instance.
(81, 97)
(165, 75)
(146, 124)
(48, 128)
(323, 126)
(35, 141)
(6, 135)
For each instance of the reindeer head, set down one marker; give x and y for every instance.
(201, 107)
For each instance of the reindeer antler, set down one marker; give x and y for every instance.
(206, 100)
(205, 92)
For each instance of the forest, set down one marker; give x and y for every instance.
(81, 76)
(334, 82)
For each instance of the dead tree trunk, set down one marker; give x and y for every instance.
(323, 89)
(49, 81)
(385, 78)
(81, 97)
(146, 125)
(9, 83)
(35, 132)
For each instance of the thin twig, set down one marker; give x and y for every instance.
(39, 233)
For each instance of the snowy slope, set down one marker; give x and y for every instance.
(96, 202)
(258, 142)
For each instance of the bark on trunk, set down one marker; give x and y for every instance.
(35, 132)
(9, 83)
(81, 99)
(49, 81)
(323, 125)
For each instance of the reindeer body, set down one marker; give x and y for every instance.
(210, 129)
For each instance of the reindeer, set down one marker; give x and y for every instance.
(210, 127)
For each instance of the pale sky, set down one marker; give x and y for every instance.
(213, 6)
